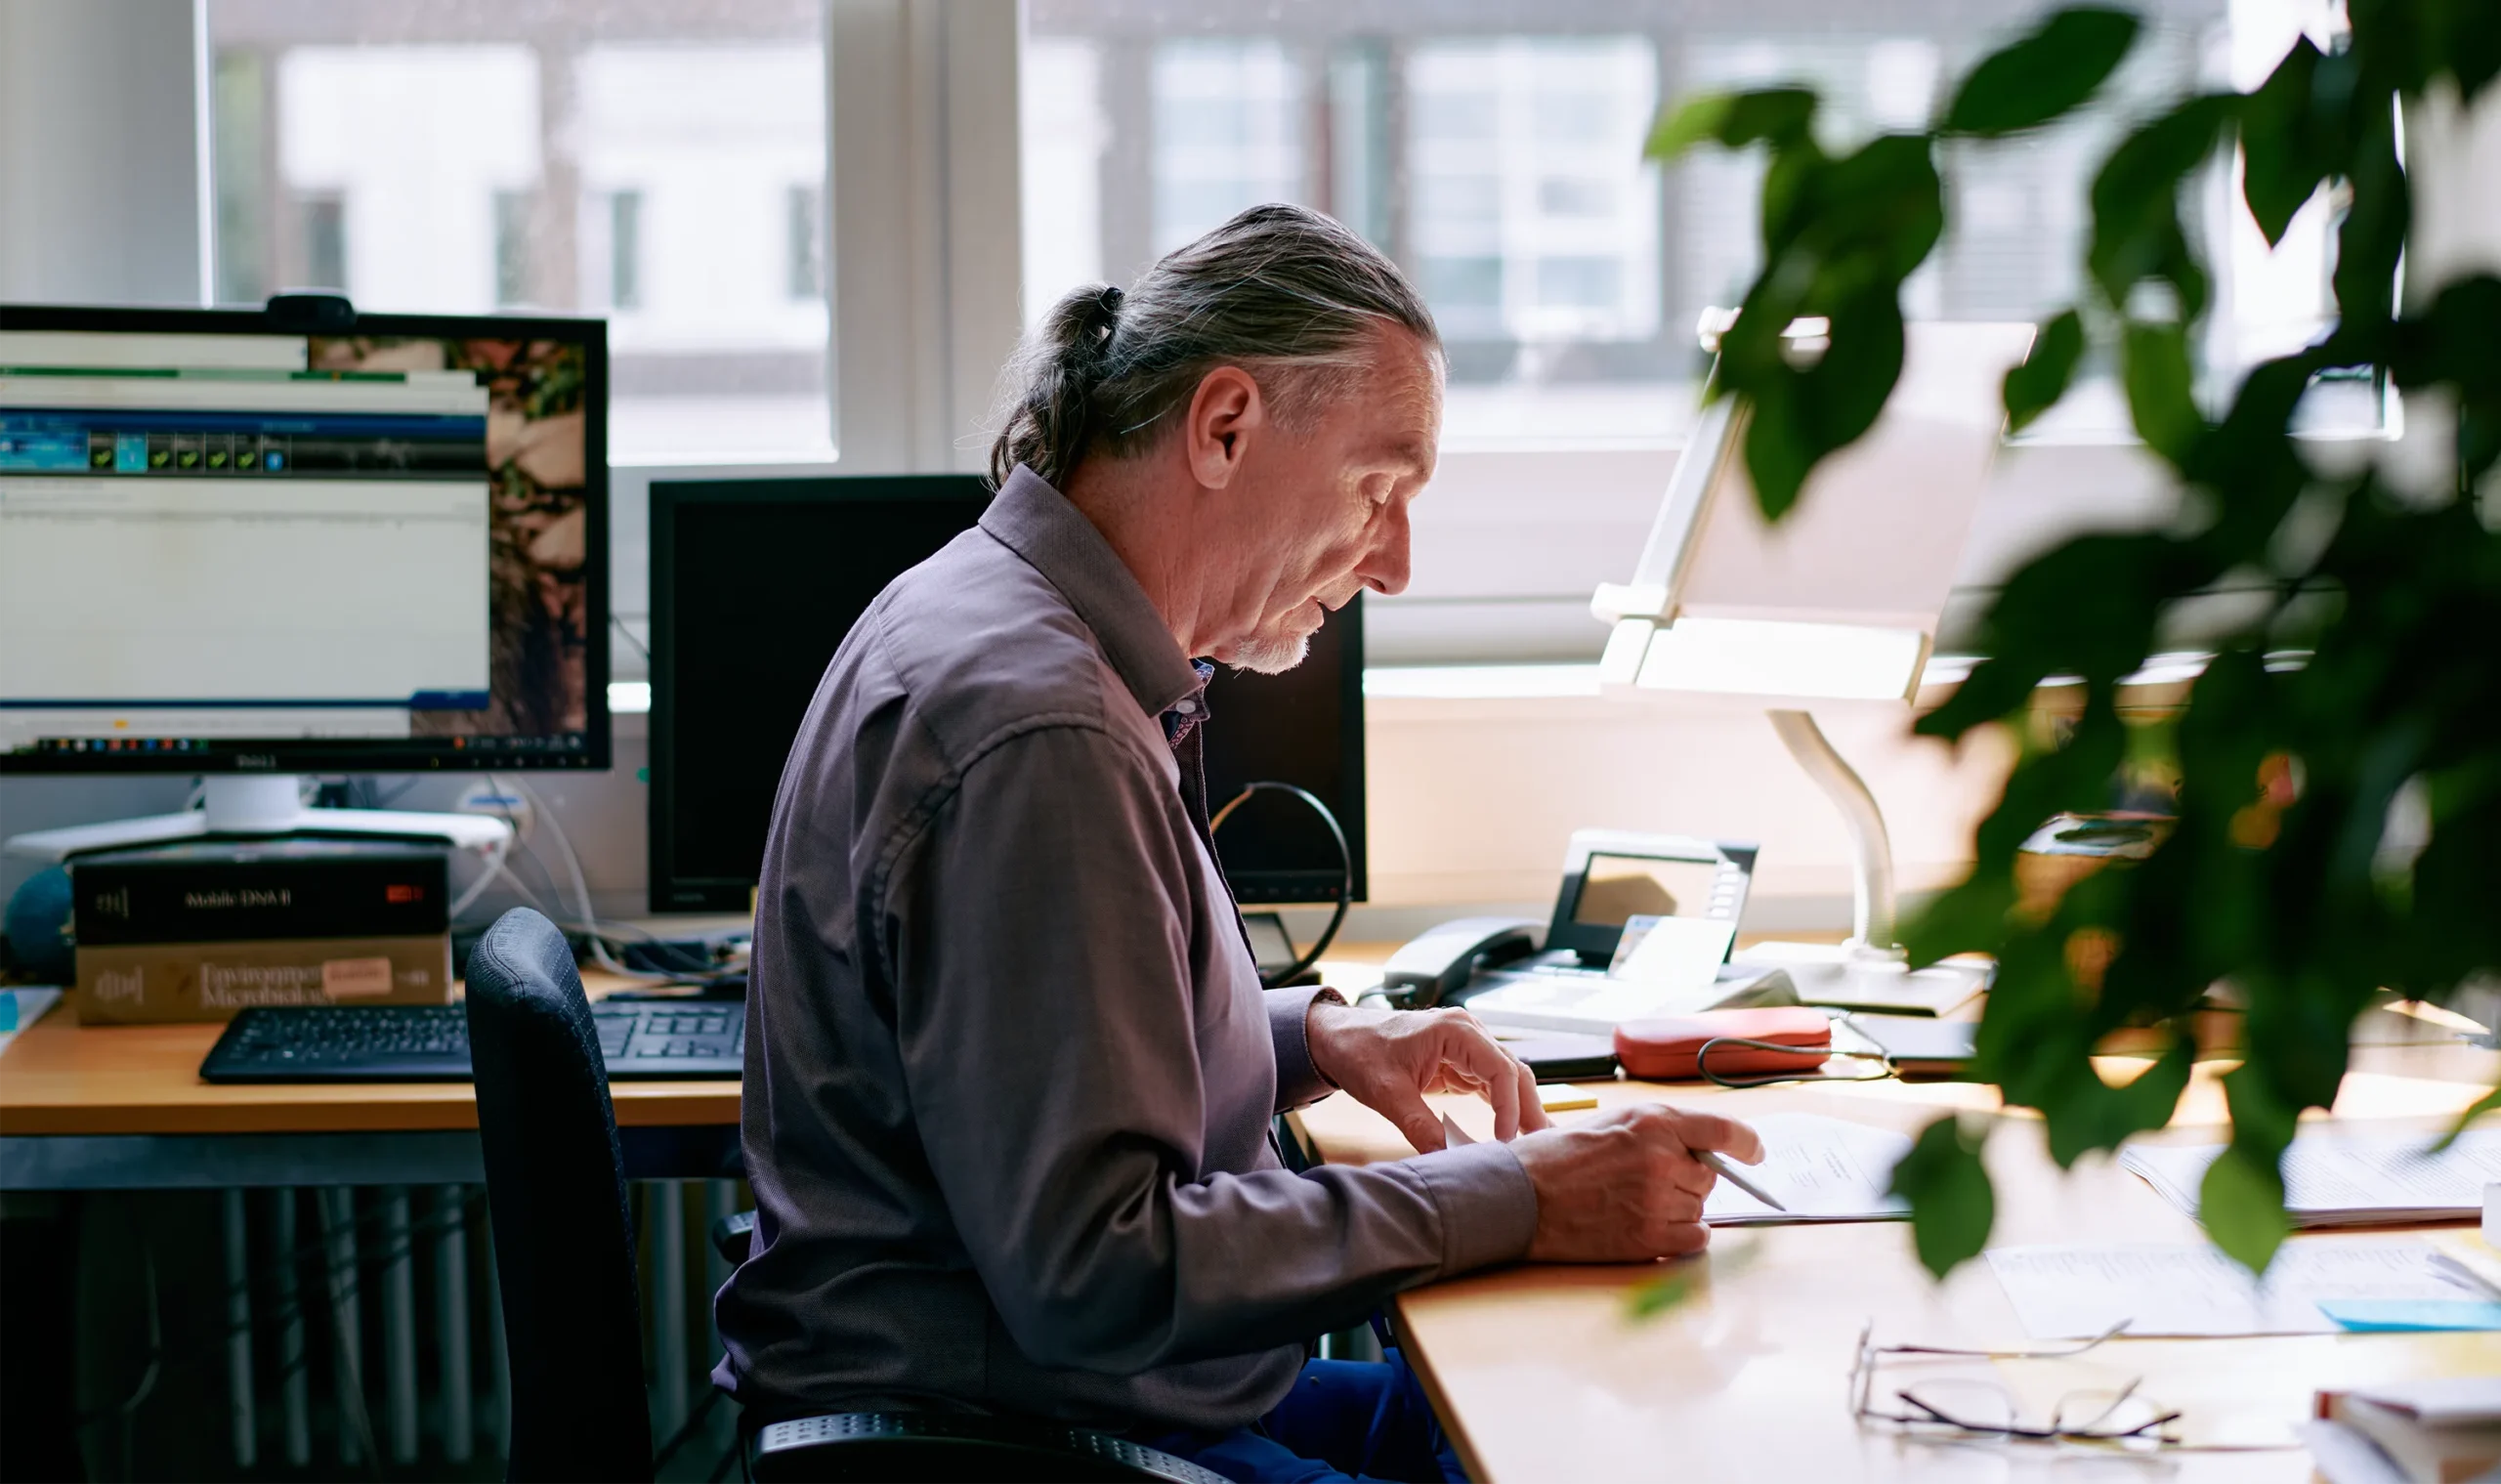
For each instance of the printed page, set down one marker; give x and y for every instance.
(2329, 1178)
(1822, 1169)
(2179, 1289)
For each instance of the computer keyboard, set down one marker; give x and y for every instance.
(430, 1043)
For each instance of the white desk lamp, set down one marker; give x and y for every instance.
(1835, 607)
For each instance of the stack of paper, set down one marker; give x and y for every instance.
(2180, 1288)
(2336, 1180)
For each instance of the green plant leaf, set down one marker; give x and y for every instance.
(2044, 75)
(2242, 1203)
(1779, 116)
(2470, 43)
(1964, 918)
(2372, 236)
(2481, 1106)
(2035, 386)
(2284, 155)
(2161, 390)
(2135, 203)
(1952, 1205)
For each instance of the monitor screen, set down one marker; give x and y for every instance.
(1618, 887)
(755, 584)
(225, 547)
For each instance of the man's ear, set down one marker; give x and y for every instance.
(1225, 414)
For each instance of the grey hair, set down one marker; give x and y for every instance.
(1284, 292)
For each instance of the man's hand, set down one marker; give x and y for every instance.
(1625, 1186)
(1387, 1060)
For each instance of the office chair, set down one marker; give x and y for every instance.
(565, 1259)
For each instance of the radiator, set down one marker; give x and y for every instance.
(359, 1321)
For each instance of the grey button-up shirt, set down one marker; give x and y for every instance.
(1010, 1070)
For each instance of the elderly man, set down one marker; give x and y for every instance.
(1010, 1070)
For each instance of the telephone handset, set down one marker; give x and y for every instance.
(1432, 968)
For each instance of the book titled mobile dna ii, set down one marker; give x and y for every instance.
(199, 930)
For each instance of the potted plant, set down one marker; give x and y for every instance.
(2365, 688)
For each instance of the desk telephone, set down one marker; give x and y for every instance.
(1609, 876)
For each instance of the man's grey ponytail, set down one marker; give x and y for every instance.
(1284, 292)
(1054, 373)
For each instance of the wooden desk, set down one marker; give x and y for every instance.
(119, 1107)
(1541, 1374)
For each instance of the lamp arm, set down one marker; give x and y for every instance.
(1871, 881)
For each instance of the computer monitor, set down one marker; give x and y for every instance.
(754, 583)
(243, 543)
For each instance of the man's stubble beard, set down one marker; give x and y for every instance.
(1270, 654)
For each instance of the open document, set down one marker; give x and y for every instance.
(1823, 1169)
(2191, 1288)
(2333, 1180)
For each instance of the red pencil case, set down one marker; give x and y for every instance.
(1669, 1049)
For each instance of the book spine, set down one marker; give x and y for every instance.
(138, 984)
(205, 902)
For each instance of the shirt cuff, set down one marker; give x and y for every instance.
(1487, 1206)
(1298, 1083)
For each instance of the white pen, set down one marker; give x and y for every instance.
(1728, 1172)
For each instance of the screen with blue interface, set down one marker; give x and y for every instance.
(243, 550)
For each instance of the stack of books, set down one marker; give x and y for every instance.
(2434, 1432)
(199, 930)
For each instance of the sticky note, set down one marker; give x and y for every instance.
(2368, 1315)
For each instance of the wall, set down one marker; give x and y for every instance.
(100, 199)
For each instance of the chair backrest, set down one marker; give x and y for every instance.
(556, 1188)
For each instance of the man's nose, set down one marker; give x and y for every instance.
(1387, 568)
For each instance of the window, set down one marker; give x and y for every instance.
(625, 249)
(324, 241)
(1494, 150)
(806, 238)
(632, 158)
(511, 248)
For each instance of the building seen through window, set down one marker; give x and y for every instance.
(1494, 148)
(634, 160)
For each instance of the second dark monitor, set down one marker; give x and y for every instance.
(755, 584)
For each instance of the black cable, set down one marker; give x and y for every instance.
(1702, 1056)
(685, 1432)
(1345, 872)
(640, 648)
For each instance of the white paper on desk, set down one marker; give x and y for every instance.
(2191, 1288)
(2332, 1180)
(1678, 955)
(22, 1006)
(1823, 1169)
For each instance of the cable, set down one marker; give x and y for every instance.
(1345, 872)
(640, 648)
(685, 1432)
(1702, 1055)
(487, 874)
(581, 885)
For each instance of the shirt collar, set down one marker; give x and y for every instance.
(1038, 524)
(1190, 712)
